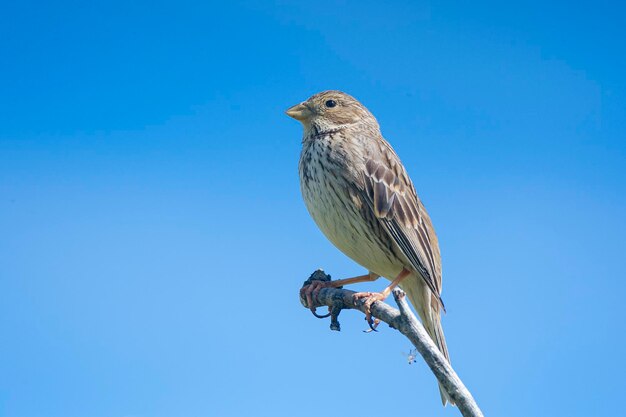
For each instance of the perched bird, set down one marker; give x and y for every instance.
(361, 197)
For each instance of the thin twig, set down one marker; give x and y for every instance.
(406, 323)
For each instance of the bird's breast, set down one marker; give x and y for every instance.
(333, 201)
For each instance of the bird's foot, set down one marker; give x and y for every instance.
(370, 298)
(312, 289)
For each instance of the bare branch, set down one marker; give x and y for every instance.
(406, 323)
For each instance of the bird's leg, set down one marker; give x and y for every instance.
(315, 286)
(372, 297)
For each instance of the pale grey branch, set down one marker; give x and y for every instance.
(406, 323)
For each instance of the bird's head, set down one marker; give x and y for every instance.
(329, 111)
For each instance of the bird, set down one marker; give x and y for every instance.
(361, 197)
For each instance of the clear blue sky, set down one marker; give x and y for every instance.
(153, 238)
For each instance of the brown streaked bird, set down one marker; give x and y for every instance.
(361, 197)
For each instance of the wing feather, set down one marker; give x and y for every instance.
(395, 203)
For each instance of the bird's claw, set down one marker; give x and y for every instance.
(372, 323)
(370, 298)
(310, 290)
(319, 316)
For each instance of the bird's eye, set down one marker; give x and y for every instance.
(331, 103)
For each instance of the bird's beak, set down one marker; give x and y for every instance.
(299, 112)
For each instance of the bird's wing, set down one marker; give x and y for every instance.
(389, 191)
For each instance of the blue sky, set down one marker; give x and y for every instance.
(153, 238)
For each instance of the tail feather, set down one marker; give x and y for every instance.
(429, 312)
(436, 334)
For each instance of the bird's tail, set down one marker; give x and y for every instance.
(428, 308)
(433, 326)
